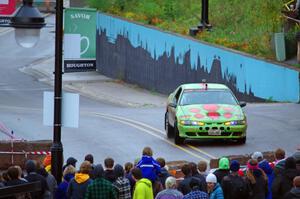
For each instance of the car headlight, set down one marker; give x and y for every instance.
(235, 123)
(191, 123)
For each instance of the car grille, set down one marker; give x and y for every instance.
(194, 134)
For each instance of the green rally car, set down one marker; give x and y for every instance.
(205, 111)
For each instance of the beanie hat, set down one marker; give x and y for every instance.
(257, 155)
(224, 163)
(252, 164)
(234, 166)
(211, 178)
(71, 161)
(30, 166)
(118, 170)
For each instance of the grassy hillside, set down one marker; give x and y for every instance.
(245, 25)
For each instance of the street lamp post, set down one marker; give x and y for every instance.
(27, 23)
(204, 23)
(57, 148)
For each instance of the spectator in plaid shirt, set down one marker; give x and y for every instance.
(196, 192)
(121, 184)
(100, 188)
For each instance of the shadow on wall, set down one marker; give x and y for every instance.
(164, 73)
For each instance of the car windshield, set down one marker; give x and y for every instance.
(207, 97)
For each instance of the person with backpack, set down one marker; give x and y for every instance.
(233, 185)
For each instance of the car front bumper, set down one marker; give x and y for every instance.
(212, 131)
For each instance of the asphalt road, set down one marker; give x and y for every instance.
(120, 132)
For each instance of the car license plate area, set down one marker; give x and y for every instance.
(214, 132)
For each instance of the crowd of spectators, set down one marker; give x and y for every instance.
(149, 178)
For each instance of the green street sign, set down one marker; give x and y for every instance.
(80, 39)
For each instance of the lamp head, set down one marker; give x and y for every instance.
(27, 23)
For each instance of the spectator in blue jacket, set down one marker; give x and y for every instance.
(214, 189)
(149, 167)
(68, 174)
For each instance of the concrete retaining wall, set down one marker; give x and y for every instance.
(160, 61)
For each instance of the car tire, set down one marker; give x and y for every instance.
(242, 140)
(169, 129)
(178, 140)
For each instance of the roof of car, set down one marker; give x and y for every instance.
(204, 86)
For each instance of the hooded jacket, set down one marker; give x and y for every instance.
(61, 191)
(78, 185)
(149, 167)
(223, 169)
(217, 192)
(143, 189)
(265, 166)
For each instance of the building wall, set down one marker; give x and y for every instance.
(160, 61)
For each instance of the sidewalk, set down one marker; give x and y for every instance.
(96, 86)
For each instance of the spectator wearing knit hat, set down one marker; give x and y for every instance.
(294, 193)
(32, 176)
(70, 161)
(78, 185)
(223, 169)
(257, 180)
(121, 183)
(233, 185)
(284, 182)
(214, 189)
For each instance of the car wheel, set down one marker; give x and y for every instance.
(242, 140)
(169, 129)
(178, 140)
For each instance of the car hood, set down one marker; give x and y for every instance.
(210, 112)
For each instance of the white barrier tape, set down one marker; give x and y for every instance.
(40, 153)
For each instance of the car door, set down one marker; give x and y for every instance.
(171, 108)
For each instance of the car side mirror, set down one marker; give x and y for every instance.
(243, 104)
(173, 105)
